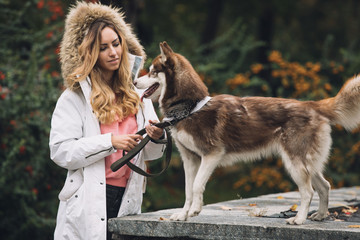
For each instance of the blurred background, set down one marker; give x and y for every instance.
(304, 49)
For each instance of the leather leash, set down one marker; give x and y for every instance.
(133, 152)
(164, 125)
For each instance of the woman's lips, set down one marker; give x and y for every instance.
(114, 61)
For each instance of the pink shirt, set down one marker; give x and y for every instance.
(126, 126)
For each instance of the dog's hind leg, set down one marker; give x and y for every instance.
(303, 180)
(322, 187)
(191, 165)
(207, 166)
(302, 177)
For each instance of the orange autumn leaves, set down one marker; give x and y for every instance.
(299, 79)
(264, 176)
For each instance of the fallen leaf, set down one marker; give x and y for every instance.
(252, 204)
(294, 207)
(225, 208)
(280, 197)
(257, 212)
(354, 226)
(163, 219)
(349, 210)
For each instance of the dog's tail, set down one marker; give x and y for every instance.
(344, 108)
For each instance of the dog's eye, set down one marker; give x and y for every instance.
(153, 73)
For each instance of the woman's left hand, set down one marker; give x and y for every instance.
(153, 131)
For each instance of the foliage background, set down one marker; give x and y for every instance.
(303, 49)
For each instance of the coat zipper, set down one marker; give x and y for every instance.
(106, 150)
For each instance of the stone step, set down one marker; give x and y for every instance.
(251, 218)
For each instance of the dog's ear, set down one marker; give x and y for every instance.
(165, 51)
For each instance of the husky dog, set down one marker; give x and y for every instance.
(227, 129)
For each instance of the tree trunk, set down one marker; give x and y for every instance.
(214, 12)
(265, 35)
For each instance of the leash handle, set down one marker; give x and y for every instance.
(167, 160)
(130, 155)
(133, 152)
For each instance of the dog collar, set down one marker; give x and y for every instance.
(198, 106)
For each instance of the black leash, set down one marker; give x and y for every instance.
(178, 111)
(133, 152)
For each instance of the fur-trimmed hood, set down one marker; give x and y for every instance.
(77, 24)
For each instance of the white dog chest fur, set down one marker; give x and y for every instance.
(186, 140)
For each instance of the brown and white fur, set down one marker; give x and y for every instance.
(230, 129)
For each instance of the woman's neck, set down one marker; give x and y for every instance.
(108, 77)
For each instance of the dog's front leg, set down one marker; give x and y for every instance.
(207, 166)
(191, 166)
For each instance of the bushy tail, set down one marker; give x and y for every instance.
(344, 108)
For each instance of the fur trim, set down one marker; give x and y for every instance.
(77, 24)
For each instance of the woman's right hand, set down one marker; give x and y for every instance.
(125, 142)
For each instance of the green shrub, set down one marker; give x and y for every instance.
(29, 87)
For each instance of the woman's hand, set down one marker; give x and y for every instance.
(153, 131)
(125, 142)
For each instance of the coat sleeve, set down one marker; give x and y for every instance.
(68, 146)
(152, 150)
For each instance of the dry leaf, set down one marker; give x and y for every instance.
(252, 204)
(163, 219)
(294, 207)
(349, 210)
(280, 197)
(354, 226)
(225, 208)
(257, 212)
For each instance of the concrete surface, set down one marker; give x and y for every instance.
(252, 218)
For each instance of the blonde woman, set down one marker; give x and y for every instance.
(95, 119)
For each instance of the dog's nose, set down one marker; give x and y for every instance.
(135, 83)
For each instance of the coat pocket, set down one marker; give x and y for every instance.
(72, 183)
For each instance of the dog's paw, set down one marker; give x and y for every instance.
(179, 216)
(318, 216)
(295, 221)
(194, 211)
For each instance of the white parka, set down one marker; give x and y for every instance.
(76, 142)
(77, 145)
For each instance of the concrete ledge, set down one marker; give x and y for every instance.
(241, 219)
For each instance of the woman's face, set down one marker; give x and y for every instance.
(110, 50)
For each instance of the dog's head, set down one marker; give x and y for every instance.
(155, 81)
(171, 76)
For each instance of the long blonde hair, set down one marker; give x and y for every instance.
(109, 103)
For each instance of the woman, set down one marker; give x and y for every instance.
(95, 119)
